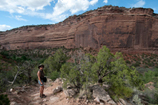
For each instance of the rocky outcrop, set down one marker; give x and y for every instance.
(101, 95)
(118, 28)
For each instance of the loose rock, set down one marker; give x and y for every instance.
(58, 80)
(14, 103)
(49, 80)
(70, 92)
(97, 100)
(123, 101)
(57, 90)
(102, 95)
(102, 103)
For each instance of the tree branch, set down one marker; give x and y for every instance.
(14, 77)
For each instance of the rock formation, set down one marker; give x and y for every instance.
(116, 27)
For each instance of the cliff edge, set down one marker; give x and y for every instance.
(116, 27)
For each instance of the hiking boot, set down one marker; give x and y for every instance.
(43, 96)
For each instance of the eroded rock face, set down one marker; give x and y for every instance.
(117, 28)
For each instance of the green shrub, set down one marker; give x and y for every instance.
(54, 63)
(54, 75)
(1, 57)
(152, 96)
(128, 62)
(143, 55)
(5, 53)
(105, 67)
(151, 57)
(4, 100)
(136, 64)
(137, 100)
(150, 64)
(150, 76)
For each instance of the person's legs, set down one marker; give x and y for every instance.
(41, 91)
(41, 88)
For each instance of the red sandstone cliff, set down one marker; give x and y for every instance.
(117, 28)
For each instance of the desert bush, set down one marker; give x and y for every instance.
(152, 56)
(4, 53)
(152, 95)
(136, 64)
(143, 55)
(105, 67)
(54, 75)
(150, 76)
(5, 77)
(128, 62)
(150, 64)
(137, 100)
(4, 100)
(54, 63)
(147, 60)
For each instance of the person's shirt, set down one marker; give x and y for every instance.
(41, 74)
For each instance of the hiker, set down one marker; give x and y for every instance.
(40, 75)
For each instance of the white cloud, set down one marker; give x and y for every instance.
(19, 6)
(4, 27)
(105, 1)
(59, 12)
(73, 6)
(18, 17)
(140, 3)
(93, 2)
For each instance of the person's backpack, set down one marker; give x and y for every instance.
(44, 79)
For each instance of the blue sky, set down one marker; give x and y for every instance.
(17, 13)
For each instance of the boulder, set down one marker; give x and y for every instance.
(70, 92)
(14, 103)
(57, 90)
(49, 80)
(150, 85)
(123, 101)
(58, 80)
(102, 103)
(97, 100)
(102, 95)
(83, 94)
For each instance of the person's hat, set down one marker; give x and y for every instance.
(41, 66)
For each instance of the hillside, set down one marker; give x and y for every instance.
(118, 28)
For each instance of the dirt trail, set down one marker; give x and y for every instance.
(30, 96)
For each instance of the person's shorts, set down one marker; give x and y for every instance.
(40, 83)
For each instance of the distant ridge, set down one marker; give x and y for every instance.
(118, 28)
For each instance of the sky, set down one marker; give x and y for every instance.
(17, 13)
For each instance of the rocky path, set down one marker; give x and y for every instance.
(58, 99)
(30, 96)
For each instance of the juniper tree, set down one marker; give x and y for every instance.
(103, 68)
(54, 63)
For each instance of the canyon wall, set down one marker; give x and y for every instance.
(118, 28)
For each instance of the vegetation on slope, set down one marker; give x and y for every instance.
(126, 78)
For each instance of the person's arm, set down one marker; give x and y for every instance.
(38, 74)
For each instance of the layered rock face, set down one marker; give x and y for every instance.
(117, 28)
